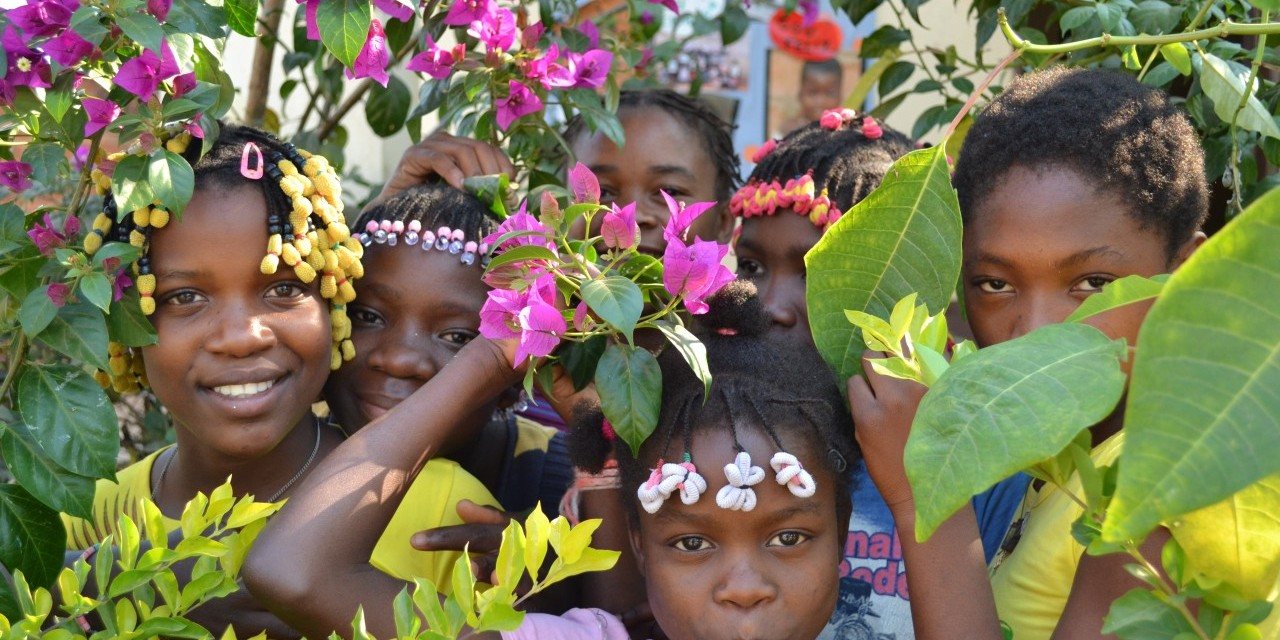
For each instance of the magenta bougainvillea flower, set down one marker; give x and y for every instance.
(15, 175)
(590, 69)
(27, 67)
(313, 23)
(619, 228)
(120, 280)
(69, 49)
(528, 316)
(184, 83)
(808, 9)
(395, 9)
(46, 239)
(496, 29)
(142, 75)
(101, 114)
(42, 18)
(433, 60)
(159, 8)
(682, 217)
(548, 71)
(580, 317)
(670, 4)
(695, 271)
(584, 184)
(464, 12)
(58, 293)
(520, 221)
(589, 30)
(541, 327)
(532, 35)
(520, 101)
(373, 58)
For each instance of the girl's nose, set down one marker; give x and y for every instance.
(238, 332)
(408, 357)
(745, 586)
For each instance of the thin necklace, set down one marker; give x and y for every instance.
(155, 488)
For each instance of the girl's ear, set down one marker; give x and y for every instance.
(725, 223)
(1188, 248)
(637, 549)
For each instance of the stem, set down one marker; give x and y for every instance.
(82, 187)
(1195, 22)
(16, 355)
(902, 24)
(1221, 30)
(1166, 588)
(981, 89)
(1237, 199)
(260, 79)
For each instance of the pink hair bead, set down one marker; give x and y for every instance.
(455, 244)
(442, 238)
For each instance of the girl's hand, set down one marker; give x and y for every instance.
(480, 535)
(452, 158)
(883, 409)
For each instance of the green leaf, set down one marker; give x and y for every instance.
(629, 382)
(537, 531)
(142, 28)
(344, 25)
(1224, 83)
(858, 96)
(31, 536)
(1125, 291)
(386, 109)
(171, 180)
(1176, 55)
(49, 483)
(510, 566)
(129, 184)
(1236, 541)
(1006, 408)
(36, 312)
(691, 349)
(1203, 412)
(733, 24)
(1153, 17)
(616, 300)
(904, 237)
(1076, 17)
(894, 76)
(126, 323)
(87, 22)
(96, 289)
(80, 332)
(48, 162)
(1140, 615)
(71, 417)
(464, 587)
(500, 616)
(521, 254)
(242, 16)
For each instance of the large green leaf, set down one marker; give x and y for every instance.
(344, 24)
(79, 331)
(1125, 291)
(1005, 408)
(129, 184)
(171, 180)
(616, 300)
(242, 16)
(142, 28)
(1224, 83)
(49, 483)
(629, 382)
(31, 536)
(903, 238)
(691, 349)
(1140, 615)
(1236, 541)
(127, 324)
(387, 109)
(1204, 401)
(71, 417)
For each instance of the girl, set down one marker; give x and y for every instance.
(405, 332)
(799, 188)
(245, 341)
(749, 549)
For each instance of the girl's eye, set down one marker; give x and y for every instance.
(1093, 284)
(749, 268)
(788, 539)
(363, 315)
(607, 194)
(993, 285)
(182, 297)
(286, 290)
(458, 337)
(675, 192)
(692, 543)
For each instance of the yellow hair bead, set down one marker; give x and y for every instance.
(330, 260)
(148, 305)
(356, 270)
(353, 245)
(275, 243)
(137, 365)
(270, 263)
(137, 238)
(345, 257)
(291, 186)
(147, 284)
(102, 379)
(178, 143)
(304, 272)
(316, 260)
(118, 365)
(348, 350)
(326, 185)
(287, 168)
(302, 207)
(143, 380)
(337, 232)
(315, 165)
(102, 222)
(159, 218)
(308, 188)
(328, 286)
(346, 292)
(303, 243)
(289, 254)
(92, 242)
(142, 217)
(335, 358)
(122, 385)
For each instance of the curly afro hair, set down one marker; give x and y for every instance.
(1130, 139)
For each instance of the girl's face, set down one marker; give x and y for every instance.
(415, 310)
(660, 154)
(768, 573)
(770, 254)
(240, 355)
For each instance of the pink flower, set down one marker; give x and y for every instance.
(46, 239)
(500, 317)
(682, 217)
(531, 35)
(590, 69)
(546, 70)
(142, 75)
(121, 282)
(194, 127)
(619, 227)
(159, 8)
(101, 114)
(372, 61)
(580, 317)
(58, 293)
(589, 30)
(15, 175)
(464, 12)
(808, 9)
(184, 83)
(27, 67)
(41, 18)
(432, 60)
(69, 49)
(695, 271)
(646, 18)
(520, 101)
(541, 326)
(870, 129)
(521, 221)
(395, 9)
(583, 183)
(670, 4)
(496, 29)
(313, 23)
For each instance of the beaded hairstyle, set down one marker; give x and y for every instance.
(798, 407)
(305, 229)
(431, 217)
(821, 169)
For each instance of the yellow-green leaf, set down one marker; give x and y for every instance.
(1237, 540)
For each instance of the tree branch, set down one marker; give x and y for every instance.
(1221, 30)
(260, 79)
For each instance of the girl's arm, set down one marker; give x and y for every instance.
(311, 563)
(1099, 581)
(950, 593)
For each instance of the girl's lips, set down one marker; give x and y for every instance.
(374, 407)
(257, 399)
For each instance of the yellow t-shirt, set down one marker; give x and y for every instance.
(429, 503)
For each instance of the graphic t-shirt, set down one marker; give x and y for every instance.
(875, 602)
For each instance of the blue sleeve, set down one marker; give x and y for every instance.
(996, 509)
(557, 474)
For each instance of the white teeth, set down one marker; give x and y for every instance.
(243, 390)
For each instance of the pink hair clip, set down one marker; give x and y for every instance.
(251, 150)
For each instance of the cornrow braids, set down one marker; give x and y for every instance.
(1129, 139)
(715, 134)
(799, 406)
(433, 205)
(305, 229)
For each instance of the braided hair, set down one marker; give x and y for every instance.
(305, 230)
(715, 134)
(799, 402)
(1128, 138)
(434, 204)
